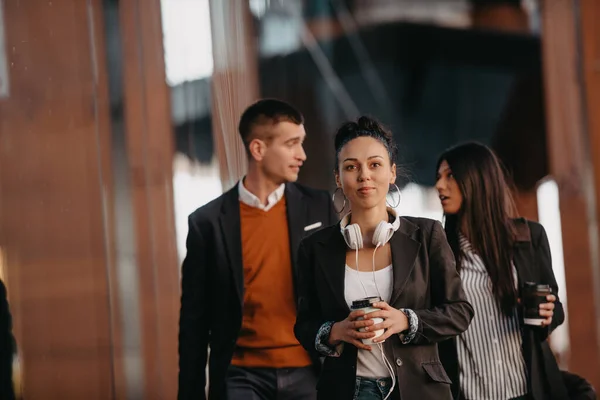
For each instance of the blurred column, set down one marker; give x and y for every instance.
(235, 82)
(589, 14)
(55, 182)
(86, 214)
(573, 153)
(149, 149)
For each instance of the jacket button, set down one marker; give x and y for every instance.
(399, 361)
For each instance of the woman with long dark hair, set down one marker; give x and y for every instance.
(377, 292)
(499, 357)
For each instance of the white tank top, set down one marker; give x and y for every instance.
(369, 363)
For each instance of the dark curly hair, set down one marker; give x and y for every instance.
(364, 127)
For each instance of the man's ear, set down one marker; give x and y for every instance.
(257, 149)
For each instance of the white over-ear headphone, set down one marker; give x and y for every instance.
(383, 233)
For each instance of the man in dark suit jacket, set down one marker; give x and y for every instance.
(239, 274)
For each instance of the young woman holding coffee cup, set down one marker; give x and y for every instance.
(377, 292)
(506, 270)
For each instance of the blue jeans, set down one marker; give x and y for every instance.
(372, 388)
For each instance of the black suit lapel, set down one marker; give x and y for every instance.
(232, 237)
(404, 253)
(296, 216)
(331, 258)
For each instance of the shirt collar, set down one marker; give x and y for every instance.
(250, 199)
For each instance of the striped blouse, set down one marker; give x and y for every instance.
(489, 351)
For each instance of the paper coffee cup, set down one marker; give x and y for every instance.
(365, 305)
(532, 296)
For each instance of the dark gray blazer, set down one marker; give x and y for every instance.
(425, 280)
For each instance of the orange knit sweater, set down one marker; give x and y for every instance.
(267, 335)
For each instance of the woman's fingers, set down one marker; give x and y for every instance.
(360, 335)
(546, 313)
(362, 323)
(378, 314)
(382, 305)
(382, 325)
(381, 338)
(355, 314)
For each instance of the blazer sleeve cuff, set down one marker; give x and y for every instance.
(413, 326)
(321, 341)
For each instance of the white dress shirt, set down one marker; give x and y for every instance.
(250, 199)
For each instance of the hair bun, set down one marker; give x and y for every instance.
(371, 124)
(348, 129)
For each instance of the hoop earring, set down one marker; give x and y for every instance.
(399, 198)
(333, 200)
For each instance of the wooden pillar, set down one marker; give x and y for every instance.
(149, 144)
(55, 221)
(589, 14)
(590, 34)
(570, 159)
(234, 82)
(86, 215)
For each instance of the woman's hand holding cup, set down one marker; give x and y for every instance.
(394, 321)
(538, 304)
(347, 330)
